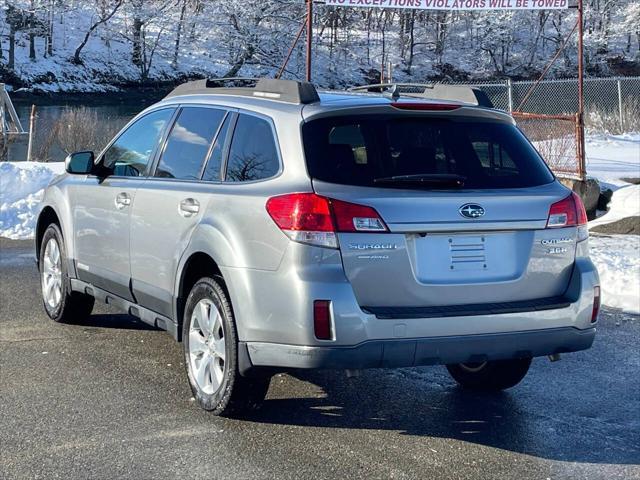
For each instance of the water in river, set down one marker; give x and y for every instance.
(112, 112)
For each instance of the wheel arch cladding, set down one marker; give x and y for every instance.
(47, 216)
(198, 265)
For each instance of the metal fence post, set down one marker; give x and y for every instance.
(620, 106)
(510, 94)
(32, 131)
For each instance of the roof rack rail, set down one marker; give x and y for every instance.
(435, 91)
(291, 91)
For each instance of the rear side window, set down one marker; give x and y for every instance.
(253, 154)
(357, 150)
(188, 143)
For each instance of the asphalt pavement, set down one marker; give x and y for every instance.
(108, 399)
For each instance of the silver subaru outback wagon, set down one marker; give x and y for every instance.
(272, 228)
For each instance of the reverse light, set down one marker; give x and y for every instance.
(351, 217)
(315, 220)
(322, 319)
(568, 212)
(596, 304)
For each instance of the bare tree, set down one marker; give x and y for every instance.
(81, 129)
(103, 17)
(180, 27)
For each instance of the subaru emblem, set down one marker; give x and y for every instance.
(471, 210)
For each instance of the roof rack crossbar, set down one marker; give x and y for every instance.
(435, 91)
(290, 91)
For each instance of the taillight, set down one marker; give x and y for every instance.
(596, 304)
(568, 212)
(304, 217)
(313, 219)
(322, 319)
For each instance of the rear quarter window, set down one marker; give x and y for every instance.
(253, 154)
(356, 150)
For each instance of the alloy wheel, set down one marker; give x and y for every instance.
(52, 274)
(207, 349)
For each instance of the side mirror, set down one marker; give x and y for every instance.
(79, 163)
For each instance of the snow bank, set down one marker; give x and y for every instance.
(613, 157)
(610, 158)
(624, 203)
(21, 188)
(617, 258)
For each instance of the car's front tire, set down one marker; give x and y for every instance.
(491, 376)
(210, 342)
(60, 303)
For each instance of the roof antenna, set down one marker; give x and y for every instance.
(393, 92)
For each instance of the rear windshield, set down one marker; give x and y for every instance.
(357, 150)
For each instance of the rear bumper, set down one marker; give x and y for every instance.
(275, 321)
(423, 351)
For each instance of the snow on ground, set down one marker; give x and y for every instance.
(21, 188)
(617, 258)
(613, 157)
(610, 158)
(624, 203)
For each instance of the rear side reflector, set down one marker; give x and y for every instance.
(596, 304)
(568, 212)
(313, 219)
(436, 107)
(322, 319)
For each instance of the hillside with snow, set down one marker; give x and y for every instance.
(101, 46)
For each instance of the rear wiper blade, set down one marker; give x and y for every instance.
(426, 179)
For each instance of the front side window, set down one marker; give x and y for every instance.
(253, 154)
(188, 143)
(129, 155)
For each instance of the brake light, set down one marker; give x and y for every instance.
(322, 319)
(313, 219)
(568, 212)
(438, 107)
(596, 304)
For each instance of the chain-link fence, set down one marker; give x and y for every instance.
(611, 104)
(556, 137)
(546, 113)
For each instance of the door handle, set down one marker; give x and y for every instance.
(122, 200)
(188, 207)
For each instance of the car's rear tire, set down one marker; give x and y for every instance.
(210, 342)
(490, 376)
(60, 303)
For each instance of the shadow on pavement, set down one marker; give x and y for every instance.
(119, 321)
(504, 420)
